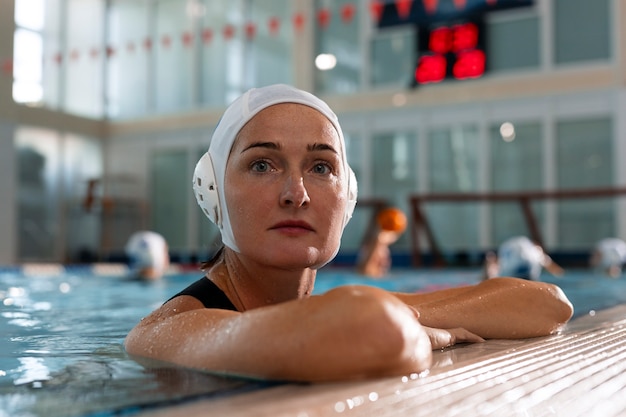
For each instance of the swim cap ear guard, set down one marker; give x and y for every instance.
(352, 194)
(205, 189)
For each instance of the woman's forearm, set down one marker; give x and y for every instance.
(499, 308)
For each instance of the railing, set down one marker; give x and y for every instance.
(420, 221)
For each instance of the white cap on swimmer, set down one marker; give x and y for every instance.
(208, 178)
(147, 249)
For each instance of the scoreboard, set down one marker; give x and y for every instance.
(451, 35)
(450, 51)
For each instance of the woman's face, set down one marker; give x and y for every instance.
(286, 188)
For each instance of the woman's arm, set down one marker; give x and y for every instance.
(498, 308)
(349, 332)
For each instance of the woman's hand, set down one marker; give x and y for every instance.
(442, 338)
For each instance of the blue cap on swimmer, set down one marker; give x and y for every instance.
(208, 178)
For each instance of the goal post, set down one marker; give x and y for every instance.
(421, 226)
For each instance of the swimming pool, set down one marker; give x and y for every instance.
(61, 349)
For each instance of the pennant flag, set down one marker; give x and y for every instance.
(376, 10)
(166, 41)
(323, 17)
(298, 21)
(404, 8)
(207, 36)
(430, 6)
(250, 29)
(460, 4)
(7, 66)
(347, 12)
(110, 51)
(273, 25)
(228, 32)
(187, 39)
(147, 44)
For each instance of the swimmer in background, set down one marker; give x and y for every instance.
(148, 255)
(519, 257)
(375, 257)
(609, 256)
(277, 183)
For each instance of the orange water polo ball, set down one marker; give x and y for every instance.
(391, 219)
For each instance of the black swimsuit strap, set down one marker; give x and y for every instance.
(208, 294)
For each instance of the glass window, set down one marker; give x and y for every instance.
(393, 57)
(270, 42)
(82, 164)
(30, 14)
(516, 165)
(28, 51)
(453, 157)
(393, 171)
(54, 60)
(513, 43)
(27, 66)
(168, 200)
(173, 63)
(222, 52)
(337, 35)
(128, 87)
(584, 160)
(582, 30)
(84, 84)
(353, 234)
(39, 194)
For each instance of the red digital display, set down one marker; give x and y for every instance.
(452, 52)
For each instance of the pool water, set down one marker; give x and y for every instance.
(61, 351)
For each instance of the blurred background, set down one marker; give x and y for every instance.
(513, 110)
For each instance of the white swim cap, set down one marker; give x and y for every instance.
(147, 249)
(519, 257)
(208, 178)
(612, 252)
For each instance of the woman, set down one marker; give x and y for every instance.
(277, 183)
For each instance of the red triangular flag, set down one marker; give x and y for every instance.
(250, 29)
(274, 25)
(430, 6)
(207, 36)
(166, 41)
(228, 32)
(347, 12)
(323, 17)
(7, 66)
(404, 8)
(376, 10)
(187, 39)
(298, 21)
